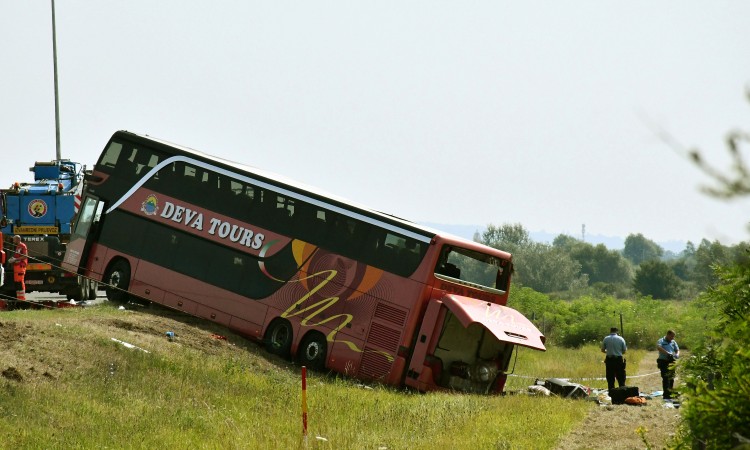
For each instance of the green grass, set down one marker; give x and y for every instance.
(96, 393)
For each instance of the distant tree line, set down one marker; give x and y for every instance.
(570, 267)
(715, 323)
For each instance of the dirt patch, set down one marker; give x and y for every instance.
(149, 328)
(615, 426)
(9, 332)
(41, 349)
(12, 374)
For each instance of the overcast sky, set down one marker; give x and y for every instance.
(531, 112)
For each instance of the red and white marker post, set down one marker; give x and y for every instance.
(304, 402)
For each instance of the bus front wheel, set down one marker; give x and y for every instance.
(313, 351)
(279, 338)
(118, 279)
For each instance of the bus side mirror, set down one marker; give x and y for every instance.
(92, 178)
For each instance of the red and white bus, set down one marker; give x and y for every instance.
(333, 284)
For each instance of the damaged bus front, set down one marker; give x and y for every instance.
(465, 343)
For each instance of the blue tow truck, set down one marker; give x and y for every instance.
(42, 213)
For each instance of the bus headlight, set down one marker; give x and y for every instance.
(484, 371)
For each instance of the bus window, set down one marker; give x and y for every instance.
(88, 214)
(474, 267)
(234, 186)
(111, 155)
(190, 186)
(392, 244)
(144, 161)
(189, 172)
(286, 204)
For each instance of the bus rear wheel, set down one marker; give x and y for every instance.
(313, 351)
(279, 338)
(118, 279)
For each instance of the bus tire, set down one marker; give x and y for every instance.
(279, 338)
(313, 351)
(118, 279)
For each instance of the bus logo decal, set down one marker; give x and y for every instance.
(37, 208)
(151, 206)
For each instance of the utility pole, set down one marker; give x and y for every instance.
(57, 101)
(583, 232)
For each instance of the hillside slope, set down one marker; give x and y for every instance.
(66, 383)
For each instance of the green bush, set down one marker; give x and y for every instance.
(575, 322)
(716, 410)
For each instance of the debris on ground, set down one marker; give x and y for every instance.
(538, 389)
(129, 345)
(564, 388)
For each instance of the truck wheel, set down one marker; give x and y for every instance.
(81, 290)
(93, 287)
(279, 338)
(118, 279)
(312, 351)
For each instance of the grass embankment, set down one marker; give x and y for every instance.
(66, 384)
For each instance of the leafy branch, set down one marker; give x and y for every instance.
(731, 184)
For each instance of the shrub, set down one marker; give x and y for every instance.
(717, 390)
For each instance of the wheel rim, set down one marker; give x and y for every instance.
(115, 279)
(312, 351)
(280, 336)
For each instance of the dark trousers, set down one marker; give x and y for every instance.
(667, 377)
(615, 370)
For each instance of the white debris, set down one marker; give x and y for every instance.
(539, 390)
(128, 345)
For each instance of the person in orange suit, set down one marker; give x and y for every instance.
(19, 261)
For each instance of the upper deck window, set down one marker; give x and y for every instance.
(124, 157)
(201, 184)
(111, 155)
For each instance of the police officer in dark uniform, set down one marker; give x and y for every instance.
(614, 346)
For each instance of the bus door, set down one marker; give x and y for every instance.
(84, 234)
(465, 344)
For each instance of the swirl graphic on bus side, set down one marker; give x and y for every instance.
(314, 313)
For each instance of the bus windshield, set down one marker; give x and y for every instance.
(484, 271)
